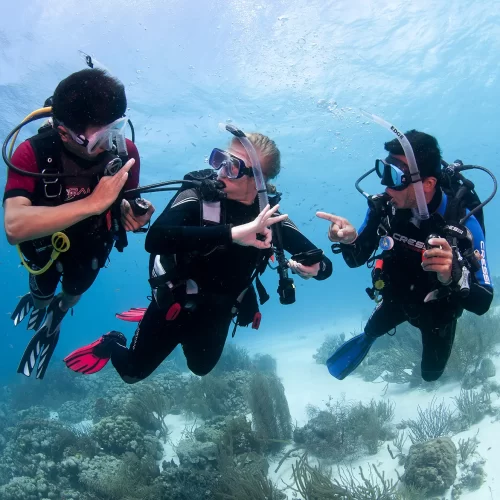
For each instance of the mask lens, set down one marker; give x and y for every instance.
(233, 168)
(395, 176)
(104, 142)
(392, 175)
(104, 138)
(379, 168)
(217, 157)
(230, 165)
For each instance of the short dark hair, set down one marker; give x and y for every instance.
(90, 97)
(426, 150)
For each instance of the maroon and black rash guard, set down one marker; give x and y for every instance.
(23, 185)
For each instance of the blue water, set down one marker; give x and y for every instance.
(298, 72)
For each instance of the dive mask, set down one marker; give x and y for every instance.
(229, 165)
(103, 138)
(393, 173)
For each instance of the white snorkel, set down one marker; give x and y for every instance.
(256, 167)
(416, 180)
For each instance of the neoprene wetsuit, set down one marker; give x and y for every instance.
(87, 242)
(221, 276)
(408, 284)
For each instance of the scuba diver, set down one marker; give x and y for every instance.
(63, 201)
(207, 250)
(429, 227)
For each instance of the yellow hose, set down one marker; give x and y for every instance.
(60, 243)
(42, 111)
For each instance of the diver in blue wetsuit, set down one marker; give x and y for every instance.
(432, 263)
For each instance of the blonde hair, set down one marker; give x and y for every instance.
(269, 153)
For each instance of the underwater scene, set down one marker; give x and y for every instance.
(250, 250)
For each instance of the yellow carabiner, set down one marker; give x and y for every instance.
(60, 244)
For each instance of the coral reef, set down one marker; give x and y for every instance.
(431, 466)
(346, 429)
(435, 421)
(473, 406)
(213, 395)
(270, 413)
(118, 435)
(149, 406)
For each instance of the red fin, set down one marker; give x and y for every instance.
(134, 315)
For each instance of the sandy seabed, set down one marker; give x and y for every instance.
(308, 383)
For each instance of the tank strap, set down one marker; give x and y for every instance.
(47, 148)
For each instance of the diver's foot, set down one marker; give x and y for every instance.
(349, 355)
(54, 315)
(94, 357)
(23, 308)
(43, 343)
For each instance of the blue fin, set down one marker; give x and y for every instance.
(349, 356)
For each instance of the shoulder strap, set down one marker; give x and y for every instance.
(460, 199)
(47, 148)
(454, 209)
(211, 212)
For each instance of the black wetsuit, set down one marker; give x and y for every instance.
(221, 276)
(408, 284)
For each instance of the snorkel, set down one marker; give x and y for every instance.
(286, 287)
(416, 180)
(260, 183)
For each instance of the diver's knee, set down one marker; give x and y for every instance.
(431, 376)
(131, 380)
(200, 370)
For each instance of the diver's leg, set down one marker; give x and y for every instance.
(204, 341)
(43, 287)
(385, 317)
(437, 344)
(41, 291)
(78, 277)
(349, 355)
(154, 339)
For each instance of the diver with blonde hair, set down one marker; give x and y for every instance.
(206, 254)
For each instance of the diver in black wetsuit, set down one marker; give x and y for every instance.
(213, 251)
(418, 279)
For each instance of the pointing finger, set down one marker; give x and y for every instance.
(330, 217)
(128, 165)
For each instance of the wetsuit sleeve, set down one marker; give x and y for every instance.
(295, 242)
(17, 184)
(481, 288)
(356, 254)
(134, 172)
(178, 229)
